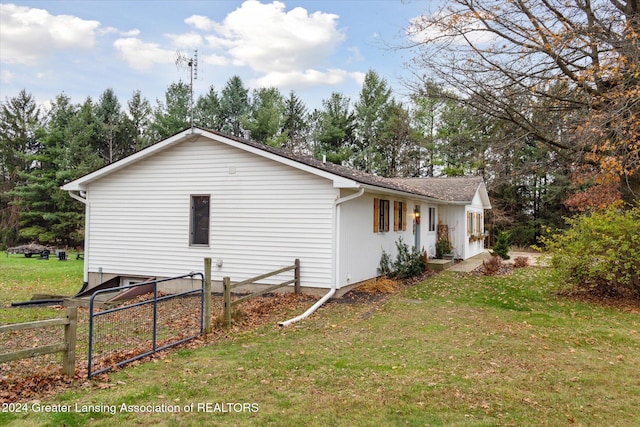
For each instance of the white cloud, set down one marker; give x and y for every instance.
(186, 41)
(7, 76)
(356, 55)
(143, 56)
(28, 35)
(112, 30)
(200, 22)
(306, 78)
(268, 39)
(214, 60)
(424, 29)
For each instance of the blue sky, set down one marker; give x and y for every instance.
(315, 48)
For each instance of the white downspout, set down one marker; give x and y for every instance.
(336, 253)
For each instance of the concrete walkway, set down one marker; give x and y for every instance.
(470, 264)
(474, 262)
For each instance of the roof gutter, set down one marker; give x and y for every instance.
(334, 285)
(407, 194)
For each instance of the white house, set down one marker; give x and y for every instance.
(253, 208)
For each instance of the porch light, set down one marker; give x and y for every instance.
(416, 216)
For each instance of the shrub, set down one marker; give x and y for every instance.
(384, 268)
(443, 247)
(501, 248)
(408, 263)
(599, 252)
(520, 262)
(492, 266)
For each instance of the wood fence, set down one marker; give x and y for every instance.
(67, 348)
(227, 287)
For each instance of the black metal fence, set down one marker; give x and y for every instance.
(151, 323)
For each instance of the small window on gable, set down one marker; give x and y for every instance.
(199, 227)
(380, 215)
(399, 216)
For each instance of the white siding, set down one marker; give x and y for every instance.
(474, 248)
(361, 248)
(454, 217)
(263, 215)
(427, 238)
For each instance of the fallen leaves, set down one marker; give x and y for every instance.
(39, 377)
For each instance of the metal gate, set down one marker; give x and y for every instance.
(150, 323)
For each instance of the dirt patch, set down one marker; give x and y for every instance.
(379, 289)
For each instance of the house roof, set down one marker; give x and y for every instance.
(459, 190)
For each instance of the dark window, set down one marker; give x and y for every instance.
(384, 215)
(199, 220)
(432, 219)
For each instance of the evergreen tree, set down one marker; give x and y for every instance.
(336, 129)
(372, 114)
(266, 116)
(174, 115)
(397, 148)
(207, 111)
(20, 121)
(47, 214)
(114, 139)
(461, 140)
(138, 121)
(234, 106)
(296, 124)
(427, 107)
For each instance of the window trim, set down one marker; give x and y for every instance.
(192, 220)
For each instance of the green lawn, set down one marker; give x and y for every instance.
(454, 350)
(21, 278)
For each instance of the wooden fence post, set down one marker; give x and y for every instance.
(296, 276)
(69, 356)
(207, 296)
(226, 287)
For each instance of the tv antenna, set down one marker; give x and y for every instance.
(182, 61)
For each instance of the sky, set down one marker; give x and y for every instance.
(82, 48)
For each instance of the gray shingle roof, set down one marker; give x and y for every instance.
(449, 189)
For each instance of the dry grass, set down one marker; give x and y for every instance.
(380, 285)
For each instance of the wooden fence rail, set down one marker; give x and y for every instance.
(68, 347)
(227, 287)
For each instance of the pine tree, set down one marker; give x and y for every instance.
(336, 129)
(501, 248)
(372, 114)
(296, 124)
(266, 116)
(234, 106)
(20, 121)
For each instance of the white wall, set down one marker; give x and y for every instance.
(360, 247)
(474, 248)
(454, 218)
(263, 216)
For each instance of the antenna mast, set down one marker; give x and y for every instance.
(192, 63)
